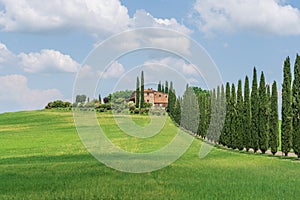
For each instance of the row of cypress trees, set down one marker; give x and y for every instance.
(290, 128)
(240, 118)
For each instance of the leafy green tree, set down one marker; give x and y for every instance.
(80, 98)
(137, 93)
(263, 137)
(286, 112)
(254, 112)
(247, 115)
(274, 128)
(296, 107)
(239, 134)
(142, 90)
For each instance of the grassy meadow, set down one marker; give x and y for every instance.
(42, 157)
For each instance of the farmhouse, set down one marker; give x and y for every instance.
(157, 99)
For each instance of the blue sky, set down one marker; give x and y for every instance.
(44, 45)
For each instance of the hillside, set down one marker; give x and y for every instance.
(42, 157)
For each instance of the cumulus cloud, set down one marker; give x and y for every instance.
(45, 61)
(142, 18)
(177, 64)
(14, 90)
(115, 70)
(263, 17)
(96, 16)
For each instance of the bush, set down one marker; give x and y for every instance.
(136, 111)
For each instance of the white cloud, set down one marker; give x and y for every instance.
(7, 58)
(47, 61)
(14, 89)
(263, 17)
(93, 16)
(115, 70)
(142, 18)
(179, 65)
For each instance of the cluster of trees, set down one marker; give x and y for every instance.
(58, 104)
(290, 128)
(163, 88)
(240, 118)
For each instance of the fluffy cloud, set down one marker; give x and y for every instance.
(98, 17)
(14, 90)
(45, 61)
(144, 19)
(263, 17)
(115, 70)
(176, 64)
(105, 16)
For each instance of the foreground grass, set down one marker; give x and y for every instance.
(41, 157)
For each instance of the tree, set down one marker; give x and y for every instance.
(239, 134)
(162, 88)
(166, 87)
(296, 107)
(137, 93)
(262, 116)
(274, 128)
(142, 90)
(80, 98)
(286, 112)
(177, 111)
(99, 98)
(159, 87)
(254, 111)
(247, 116)
(225, 139)
(171, 100)
(232, 111)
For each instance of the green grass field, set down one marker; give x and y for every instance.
(42, 157)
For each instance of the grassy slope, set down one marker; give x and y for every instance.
(41, 157)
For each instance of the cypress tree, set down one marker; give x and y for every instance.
(159, 87)
(239, 134)
(247, 116)
(274, 128)
(202, 118)
(99, 98)
(286, 112)
(177, 111)
(226, 128)
(137, 93)
(171, 100)
(254, 111)
(233, 118)
(296, 107)
(166, 87)
(142, 90)
(263, 118)
(162, 88)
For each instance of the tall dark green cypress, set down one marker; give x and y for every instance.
(296, 107)
(254, 112)
(177, 111)
(286, 112)
(233, 116)
(239, 134)
(247, 116)
(263, 118)
(202, 118)
(142, 90)
(159, 86)
(166, 87)
(137, 93)
(274, 128)
(162, 88)
(226, 128)
(171, 100)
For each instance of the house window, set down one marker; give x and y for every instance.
(148, 100)
(147, 93)
(159, 95)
